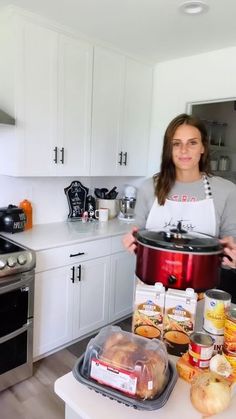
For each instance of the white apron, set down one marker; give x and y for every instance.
(194, 216)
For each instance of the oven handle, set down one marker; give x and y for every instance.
(17, 332)
(20, 282)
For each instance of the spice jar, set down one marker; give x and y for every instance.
(27, 207)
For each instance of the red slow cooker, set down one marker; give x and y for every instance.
(178, 259)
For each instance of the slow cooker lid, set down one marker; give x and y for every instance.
(182, 241)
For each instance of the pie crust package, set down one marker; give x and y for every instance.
(131, 364)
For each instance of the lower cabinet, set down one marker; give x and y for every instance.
(91, 296)
(70, 302)
(122, 284)
(77, 299)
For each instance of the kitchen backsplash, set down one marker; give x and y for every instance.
(47, 194)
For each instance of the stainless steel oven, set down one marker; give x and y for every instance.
(16, 312)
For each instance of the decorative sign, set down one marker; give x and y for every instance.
(76, 195)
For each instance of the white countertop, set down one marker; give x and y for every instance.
(46, 236)
(88, 404)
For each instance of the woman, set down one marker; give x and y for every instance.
(185, 190)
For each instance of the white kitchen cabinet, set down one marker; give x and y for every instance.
(122, 281)
(121, 115)
(72, 300)
(108, 97)
(91, 296)
(52, 310)
(29, 93)
(48, 91)
(72, 149)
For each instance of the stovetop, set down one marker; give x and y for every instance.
(6, 246)
(15, 258)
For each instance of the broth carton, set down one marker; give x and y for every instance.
(179, 319)
(149, 310)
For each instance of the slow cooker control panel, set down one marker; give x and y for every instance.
(172, 279)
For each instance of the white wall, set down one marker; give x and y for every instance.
(47, 194)
(201, 77)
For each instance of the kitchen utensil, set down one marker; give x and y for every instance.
(103, 193)
(12, 219)
(178, 259)
(112, 194)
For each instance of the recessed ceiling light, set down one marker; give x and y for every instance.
(195, 7)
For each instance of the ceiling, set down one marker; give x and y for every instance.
(153, 30)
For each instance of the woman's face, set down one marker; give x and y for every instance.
(187, 148)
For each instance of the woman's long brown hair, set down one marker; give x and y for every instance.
(165, 179)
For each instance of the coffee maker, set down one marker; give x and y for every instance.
(127, 204)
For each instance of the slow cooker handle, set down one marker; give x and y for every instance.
(221, 255)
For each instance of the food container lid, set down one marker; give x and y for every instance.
(130, 364)
(179, 241)
(154, 404)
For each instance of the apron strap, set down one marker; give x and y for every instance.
(207, 187)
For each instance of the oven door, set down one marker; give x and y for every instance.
(16, 328)
(16, 303)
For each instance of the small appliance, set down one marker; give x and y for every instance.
(127, 204)
(12, 219)
(179, 259)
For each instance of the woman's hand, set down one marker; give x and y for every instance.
(229, 250)
(129, 241)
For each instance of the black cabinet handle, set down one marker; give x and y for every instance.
(77, 254)
(120, 159)
(73, 274)
(79, 273)
(55, 155)
(62, 150)
(125, 158)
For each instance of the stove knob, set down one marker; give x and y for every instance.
(12, 261)
(2, 263)
(22, 259)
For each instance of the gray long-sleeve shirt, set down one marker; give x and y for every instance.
(223, 193)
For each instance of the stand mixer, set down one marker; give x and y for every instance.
(127, 204)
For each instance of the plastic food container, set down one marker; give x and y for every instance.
(128, 368)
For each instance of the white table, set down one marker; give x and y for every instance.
(83, 403)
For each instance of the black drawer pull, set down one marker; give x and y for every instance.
(77, 254)
(73, 274)
(79, 273)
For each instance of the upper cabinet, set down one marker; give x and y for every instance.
(74, 107)
(121, 106)
(79, 110)
(49, 93)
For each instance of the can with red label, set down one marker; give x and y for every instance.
(200, 349)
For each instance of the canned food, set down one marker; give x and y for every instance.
(216, 304)
(231, 358)
(218, 343)
(200, 349)
(230, 330)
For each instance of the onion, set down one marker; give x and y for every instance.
(210, 393)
